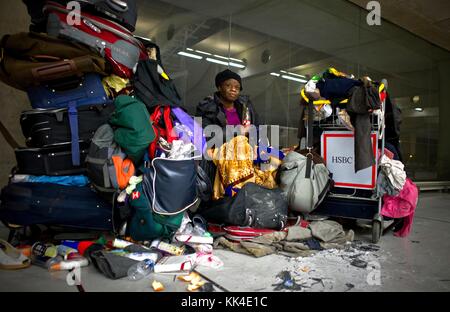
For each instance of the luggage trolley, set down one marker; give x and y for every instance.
(352, 200)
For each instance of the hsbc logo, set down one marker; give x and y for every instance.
(342, 160)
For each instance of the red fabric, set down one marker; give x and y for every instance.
(163, 128)
(82, 246)
(383, 96)
(402, 206)
(387, 152)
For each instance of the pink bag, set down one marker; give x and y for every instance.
(402, 206)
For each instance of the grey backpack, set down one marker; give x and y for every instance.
(306, 184)
(108, 167)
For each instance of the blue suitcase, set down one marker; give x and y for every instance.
(87, 90)
(73, 96)
(27, 204)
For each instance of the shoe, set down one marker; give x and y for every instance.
(11, 258)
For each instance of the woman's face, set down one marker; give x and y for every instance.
(230, 90)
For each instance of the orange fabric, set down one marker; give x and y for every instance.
(124, 170)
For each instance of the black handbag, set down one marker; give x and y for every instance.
(170, 185)
(254, 206)
(204, 185)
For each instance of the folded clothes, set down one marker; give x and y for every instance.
(295, 242)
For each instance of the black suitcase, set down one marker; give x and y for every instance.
(51, 161)
(28, 204)
(49, 127)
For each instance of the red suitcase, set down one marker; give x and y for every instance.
(113, 41)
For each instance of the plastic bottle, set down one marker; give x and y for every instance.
(119, 243)
(44, 250)
(45, 262)
(140, 270)
(69, 264)
(246, 119)
(167, 248)
(65, 250)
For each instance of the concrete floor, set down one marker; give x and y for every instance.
(417, 263)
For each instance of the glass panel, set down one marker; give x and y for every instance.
(297, 39)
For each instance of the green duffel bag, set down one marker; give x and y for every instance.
(28, 59)
(146, 225)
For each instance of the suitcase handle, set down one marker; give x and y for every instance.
(54, 71)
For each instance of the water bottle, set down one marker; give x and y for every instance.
(167, 248)
(246, 119)
(140, 270)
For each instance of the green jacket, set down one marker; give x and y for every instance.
(133, 127)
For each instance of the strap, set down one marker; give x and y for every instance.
(309, 140)
(156, 115)
(73, 121)
(309, 133)
(168, 124)
(309, 166)
(8, 136)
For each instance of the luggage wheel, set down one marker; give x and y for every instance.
(377, 229)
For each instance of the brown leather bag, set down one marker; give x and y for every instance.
(28, 59)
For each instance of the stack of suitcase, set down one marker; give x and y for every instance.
(66, 112)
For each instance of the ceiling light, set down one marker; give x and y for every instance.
(275, 74)
(202, 52)
(194, 56)
(419, 109)
(237, 65)
(292, 74)
(216, 61)
(236, 60)
(294, 79)
(221, 57)
(212, 60)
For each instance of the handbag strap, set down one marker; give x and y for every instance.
(309, 140)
